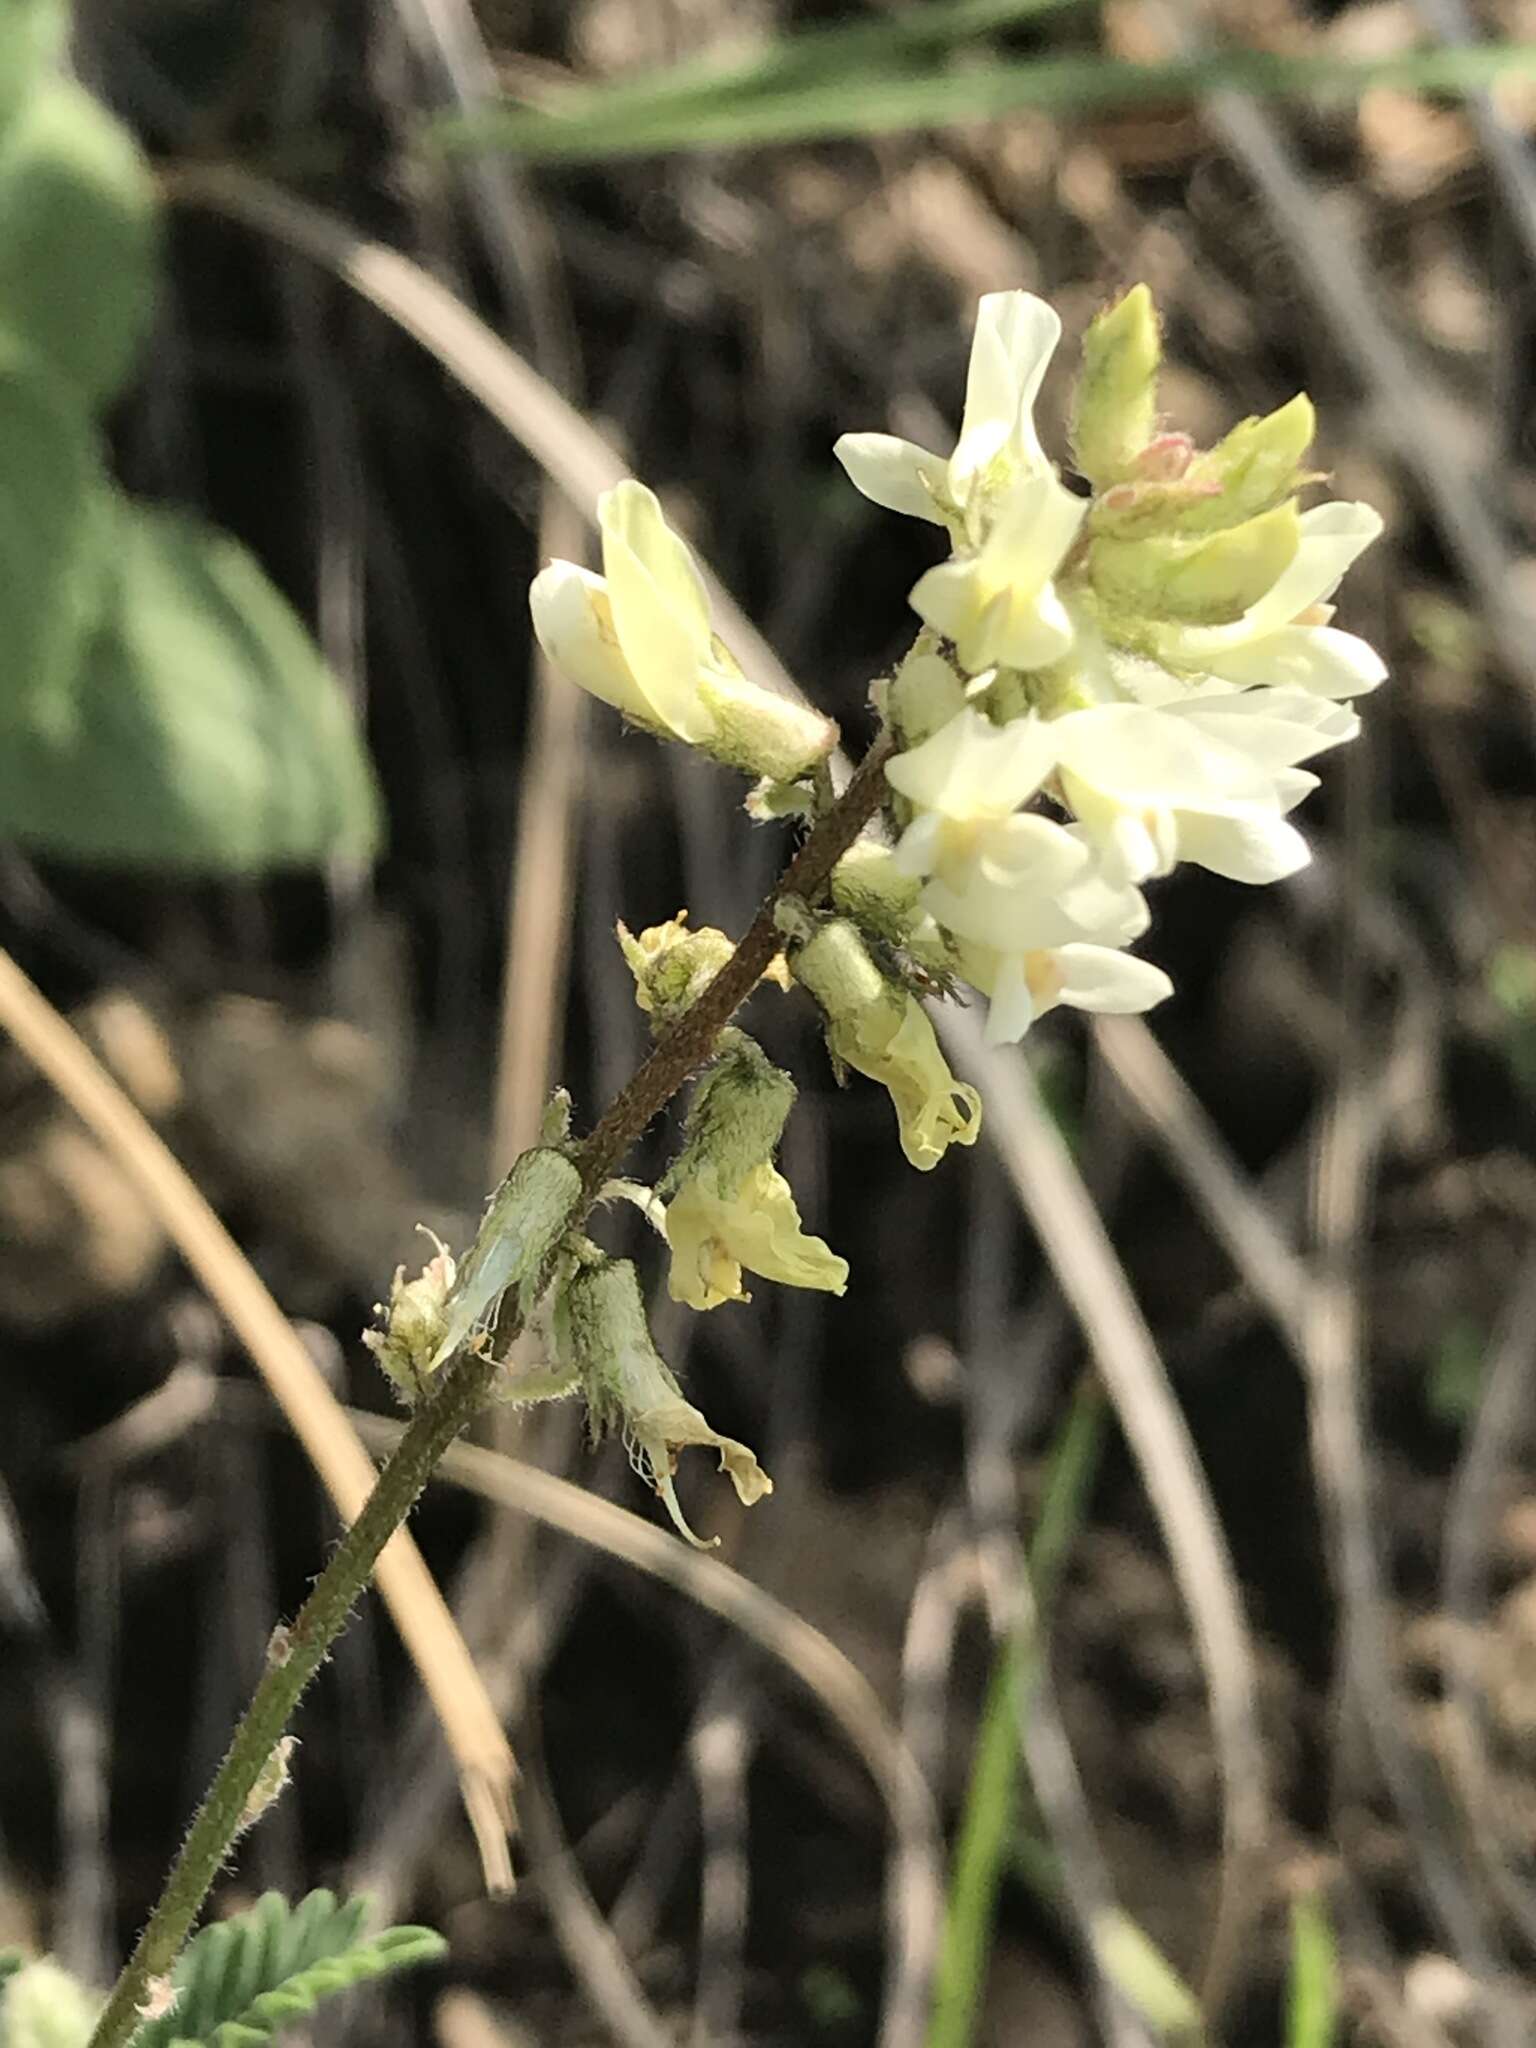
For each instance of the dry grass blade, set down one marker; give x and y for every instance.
(1073, 1237)
(532, 411)
(1160, 1098)
(317, 1419)
(818, 1664)
(597, 1962)
(1500, 1427)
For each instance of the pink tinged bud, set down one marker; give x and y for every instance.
(1165, 459)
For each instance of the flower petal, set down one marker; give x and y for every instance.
(1252, 846)
(1319, 659)
(660, 609)
(1109, 982)
(972, 768)
(1016, 335)
(894, 473)
(1332, 537)
(574, 623)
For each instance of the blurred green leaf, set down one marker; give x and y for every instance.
(241, 1980)
(1312, 1998)
(779, 104)
(30, 33)
(54, 539)
(78, 238)
(1455, 1382)
(1509, 978)
(208, 735)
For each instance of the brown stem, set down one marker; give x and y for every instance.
(691, 1040)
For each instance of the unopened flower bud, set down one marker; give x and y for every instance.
(883, 1031)
(732, 1208)
(1165, 458)
(1114, 408)
(639, 637)
(1196, 582)
(602, 1333)
(524, 1221)
(1254, 468)
(415, 1322)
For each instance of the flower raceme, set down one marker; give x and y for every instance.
(1119, 669)
(1155, 660)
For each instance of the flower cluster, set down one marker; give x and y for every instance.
(1107, 681)
(1111, 683)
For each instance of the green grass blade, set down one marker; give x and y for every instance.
(989, 1823)
(814, 56)
(746, 116)
(1312, 1999)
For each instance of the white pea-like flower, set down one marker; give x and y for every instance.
(1010, 517)
(1285, 638)
(640, 638)
(1209, 780)
(1038, 924)
(970, 774)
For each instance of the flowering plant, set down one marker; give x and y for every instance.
(1111, 675)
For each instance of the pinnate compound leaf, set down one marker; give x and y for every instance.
(207, 734)
(241, 1980)
(54, 539)
(78, 238)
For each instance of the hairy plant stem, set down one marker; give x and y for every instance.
(465, 1385)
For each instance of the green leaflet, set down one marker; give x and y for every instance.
(205, 732)
(54, 551)
(30, 31)
(241, 1979)
(78, 239)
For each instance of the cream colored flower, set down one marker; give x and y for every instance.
(1015, 337)
(1036, 924)
(1284, 638)
(639, 637)
(717, 1231)
(1008, 514)
(882, 1030)
(1209, 780)
(971, 774)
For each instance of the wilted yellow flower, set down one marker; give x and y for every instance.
(415, 1321)
(715, 1232)
(732, 1208)
(639, 637)
(602, 1334)
(883, 1031)
(673, 965)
